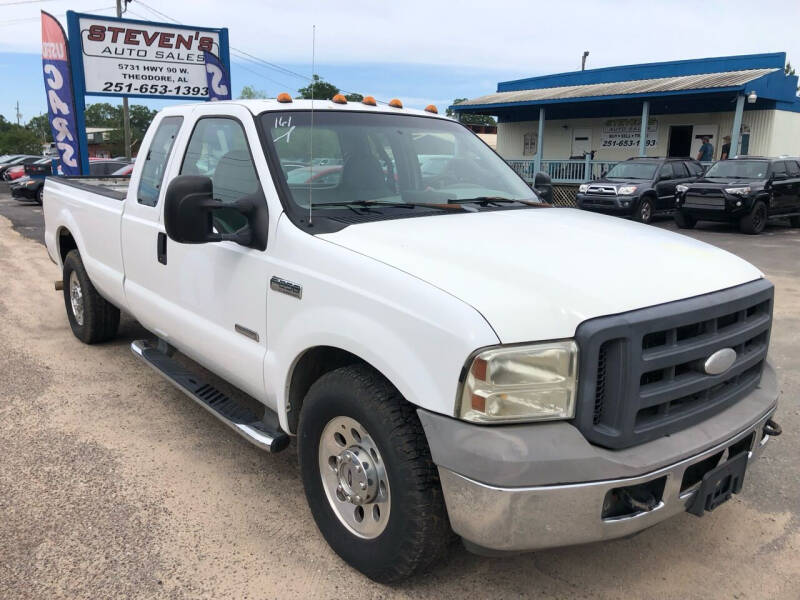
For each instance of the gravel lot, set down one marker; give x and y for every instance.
(115, 485)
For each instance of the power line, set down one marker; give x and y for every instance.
(26, 19)
(23, 2)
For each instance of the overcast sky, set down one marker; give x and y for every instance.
(425, 51)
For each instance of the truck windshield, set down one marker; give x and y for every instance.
(632, 170)
(739, 169)
(376, 158)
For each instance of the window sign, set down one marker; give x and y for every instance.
(625, 133)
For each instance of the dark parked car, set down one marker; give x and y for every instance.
(745, 191)
(638, 187)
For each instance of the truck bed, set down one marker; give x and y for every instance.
(89, 210)
(111, 187)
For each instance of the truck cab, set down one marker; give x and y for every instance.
(434, 339)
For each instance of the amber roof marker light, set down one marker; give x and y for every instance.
(339, 99)
(369, 101)
(395, 103)
(284, 97)
(432, 109)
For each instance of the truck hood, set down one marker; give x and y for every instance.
(536, 274)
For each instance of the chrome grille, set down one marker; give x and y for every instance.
(713, 200)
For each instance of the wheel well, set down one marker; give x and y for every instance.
(312, 365)
(65, 243)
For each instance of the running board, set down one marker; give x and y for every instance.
(265, 433)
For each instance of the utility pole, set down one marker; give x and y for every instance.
(126, 117)
(19, 114)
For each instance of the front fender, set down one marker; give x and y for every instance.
(416, 335)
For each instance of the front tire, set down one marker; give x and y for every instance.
(644, 212)
(359, 437)
(40, 195)
(684, 221)
(93, 319)
(756, 221)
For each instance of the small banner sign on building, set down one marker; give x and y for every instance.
(60, 97)
(217, 80)
(625, 133)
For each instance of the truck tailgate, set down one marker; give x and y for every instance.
(90, 210)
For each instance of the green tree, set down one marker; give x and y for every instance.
(250, 93)
(103, 114)
(16, 139)
(469, 119)
(789, 69)
(322, 90)
(354, 97)
(40, 125)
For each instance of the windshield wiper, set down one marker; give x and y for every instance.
(373, 203)
(498, 200)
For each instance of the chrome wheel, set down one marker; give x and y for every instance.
(645, 212)
(354, 477)
(76, 297)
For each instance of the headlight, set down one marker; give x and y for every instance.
(681, 188)
(626, 190)
(521, 383)
(738, 191)
(583, 187)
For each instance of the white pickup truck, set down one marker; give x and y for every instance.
(451, 353)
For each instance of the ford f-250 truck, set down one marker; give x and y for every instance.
(451, 354)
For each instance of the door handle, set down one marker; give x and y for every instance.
(161, 250)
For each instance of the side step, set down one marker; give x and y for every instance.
(265, 433)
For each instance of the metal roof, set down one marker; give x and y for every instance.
(729, 79)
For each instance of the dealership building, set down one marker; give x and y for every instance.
(598, 117)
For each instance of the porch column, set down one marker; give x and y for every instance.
(737, 126)
(537, 161)
(643, 130)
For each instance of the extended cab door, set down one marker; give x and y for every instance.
(215, 294)
(142, 233)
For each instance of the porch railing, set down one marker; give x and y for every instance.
(568, 171)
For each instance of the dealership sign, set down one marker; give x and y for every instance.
(217, 80)
(126, 57)
(626, 133)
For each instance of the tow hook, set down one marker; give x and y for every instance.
(640, 499)
(772, 429)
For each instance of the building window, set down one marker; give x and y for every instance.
(529, 144)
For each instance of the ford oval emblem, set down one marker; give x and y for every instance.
(720, 361)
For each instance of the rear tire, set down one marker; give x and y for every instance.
(404, 483)
(93, 319)
(40, 195)
(684, 221)
(644, 212)
(755, 221)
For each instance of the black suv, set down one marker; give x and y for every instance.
(746, 191)
(638, 187)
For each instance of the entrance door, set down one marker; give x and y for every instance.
(680, 141)
(581, 142)
(698, 133)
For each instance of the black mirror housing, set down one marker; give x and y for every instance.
(188, 214)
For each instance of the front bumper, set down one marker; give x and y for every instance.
(606, 204)
(508, 519)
